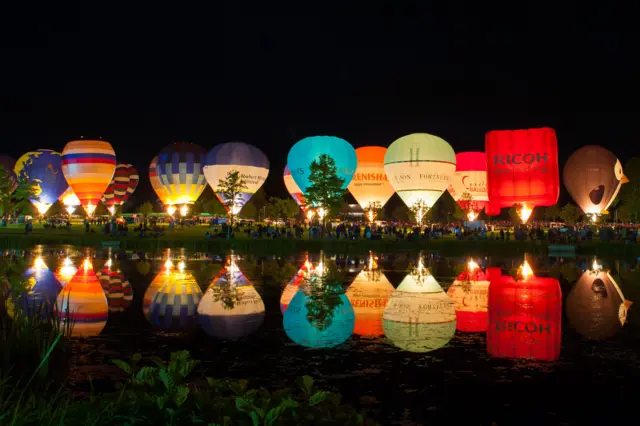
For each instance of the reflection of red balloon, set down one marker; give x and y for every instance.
(470, 296)
(524, 317)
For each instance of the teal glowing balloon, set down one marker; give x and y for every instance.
(303, 153)
(312, 324)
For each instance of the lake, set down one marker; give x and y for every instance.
(413, 337)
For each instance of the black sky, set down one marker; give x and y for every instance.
(368, 73)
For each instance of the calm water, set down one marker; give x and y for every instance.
(413, 337)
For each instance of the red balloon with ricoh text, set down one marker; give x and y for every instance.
(522, 168)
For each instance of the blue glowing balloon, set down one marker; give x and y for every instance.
(306, 327)
(42, 291)
(44, 168)
(246, 159)
(303, 153)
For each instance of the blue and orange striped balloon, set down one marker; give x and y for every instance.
(88, 166)
(179, 169)
(82, 303)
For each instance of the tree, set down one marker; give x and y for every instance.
(325, 189)
(230, 188)
(552, 212)
(145, 210)
(624, 214)
(249, 211)
(630, 192)
(281, 208)
(16, 201)
(419, 212)
(400, 213)
(214, 207)
(101, 210)
(570, 214)
(56, 209)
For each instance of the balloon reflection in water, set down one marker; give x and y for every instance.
(369, 294)
(173, 307)
(66, 271)
(524, 316)
(82, 304)
(231, 308)
(293, 286)
(419, 317)
(155, 285)
(320, 314)
(470, 295)
(116, 287)
(43, 288)
(596, 308)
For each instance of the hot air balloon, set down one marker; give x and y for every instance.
(370, 186)
(173, 307)
(596, 308)
(469, 185)
(116, 287)
(179, 169)
(124, 182)
(158, 281)
(470, 295)
(70, 200)
(66, 271)
(309, 149)
(231, 308)
(8, 164)
(88, 166)
(525, 316)
(593, 176)
(82, 304)
(44, 169)
(293, 188)
(420, 167)
(522, 168)
(293, 286)
(249, 161)
(156, 185)
(43, 288)
(419, 316)
(369, 294)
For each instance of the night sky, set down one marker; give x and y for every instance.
(366, 74)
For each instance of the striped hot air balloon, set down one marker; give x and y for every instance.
(124, 182)
(179, 169)
(82, 302)
(70, 200)
(116, 287)
(156, 185)
(293, 188)
(88, 166)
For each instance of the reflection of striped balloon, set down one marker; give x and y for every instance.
(86, 303)
(179, 168)
(174, 306)
(125, 177)
(88, 167)
(117, 289)
(155, 183)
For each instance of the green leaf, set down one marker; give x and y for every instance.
(136, 357)
(237, 388)
(181, 395)
(123, 365)
(188, 367)
(158, 361)
(161, 401)
(318, 398)
(145, 373)
(273, 414)
(305, 383)
(168, 381)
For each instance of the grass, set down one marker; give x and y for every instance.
(193, 239)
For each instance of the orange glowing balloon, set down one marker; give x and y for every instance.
(370, 184)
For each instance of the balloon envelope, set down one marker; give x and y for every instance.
(370, 184)
(593, 176)
(179, 169)
(155, 183)
(124, 182)
(43, 288)
(470, 178)
(293, 188)
(249, 161)
(117, 289)
(471, 302)
(174, 305)
(88, 167)
(369, 294)
(420, 167)
(308, 150)
(44, 168)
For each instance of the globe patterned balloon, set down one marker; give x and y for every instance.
(88, 166)
(179, 169)
(44, 169)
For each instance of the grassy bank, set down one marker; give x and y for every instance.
(193, 239)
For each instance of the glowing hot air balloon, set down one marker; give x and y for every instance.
(470, 295)
(593, 176)
(82, 304)
(522, 168)
(369, 294)
(469, 185)
(124, 182)
(70, 200)
(419, 316)
(420, 167)
(249, 161)
(231, 308)
(88, 166)
(293, 188)
(179, 169)
(8, 164)
(156, 185)
(370, 186)
(308, 150)
(293, 286)
(116, 287)
(44, 169)
(43, 288)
